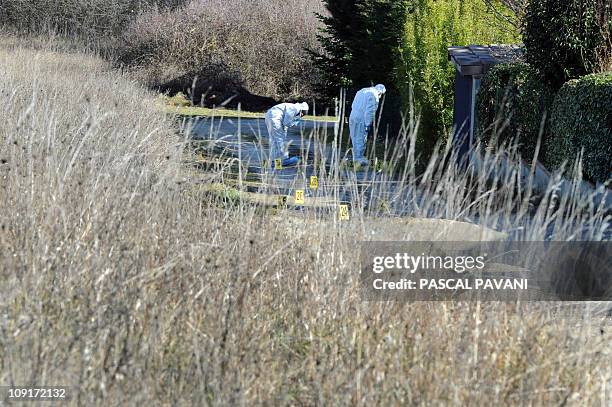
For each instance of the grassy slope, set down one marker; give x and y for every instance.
(135, 289)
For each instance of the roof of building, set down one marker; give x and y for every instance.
(475, 60)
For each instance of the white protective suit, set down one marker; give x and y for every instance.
(362, 116)
(278, 120)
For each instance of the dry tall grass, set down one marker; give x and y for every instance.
(119, 279)
(257, 44)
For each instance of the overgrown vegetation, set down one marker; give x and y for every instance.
(238, 48)
(566, 39)
(563, 41)
(404, 45)
(250, 52)
(124, 282)
(432, 27)
(581, 125)
(95, 21)
(514, 102)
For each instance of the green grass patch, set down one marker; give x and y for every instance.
(182, 107)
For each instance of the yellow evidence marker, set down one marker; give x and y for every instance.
(278, 164)
(282, 201)
(383, 205)
(314, 182)
(344, 212)
(299, 197)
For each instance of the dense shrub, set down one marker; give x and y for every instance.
(341, 26)
(253, 45)
(431, 27)
(566, 39)
(512, 103)
(582, 120)
(365, 42)
(361, 42)
(90, 19)
(360, 45)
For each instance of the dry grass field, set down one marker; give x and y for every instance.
(122, 281)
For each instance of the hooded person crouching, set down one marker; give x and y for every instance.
(278, 120)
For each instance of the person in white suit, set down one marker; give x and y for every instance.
(362, 117)
(278, 120)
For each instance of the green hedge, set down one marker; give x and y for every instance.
(582, 119)
(512, 103)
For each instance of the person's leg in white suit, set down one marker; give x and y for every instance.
(276, 132)
(359, 136)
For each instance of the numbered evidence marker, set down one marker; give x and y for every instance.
(383, 205)
(314, 182)
(282, 201)
(299, 197)
(278, 164)
(344, 212)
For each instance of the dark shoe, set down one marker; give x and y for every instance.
(288, 162)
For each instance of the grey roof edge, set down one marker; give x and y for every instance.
(477, 59)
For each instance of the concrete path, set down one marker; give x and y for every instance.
(322, 152)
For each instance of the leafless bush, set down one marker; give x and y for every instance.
(508, 11)
(125, 282)
(259, 44)
(516, 6)
(86, 19)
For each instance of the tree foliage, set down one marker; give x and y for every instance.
(340, 28)
(513, 102)
(403, 44)
(565, 39)
(362, 41)
(431, 27)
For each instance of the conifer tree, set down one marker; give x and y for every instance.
(337, 37)
(361, 41)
